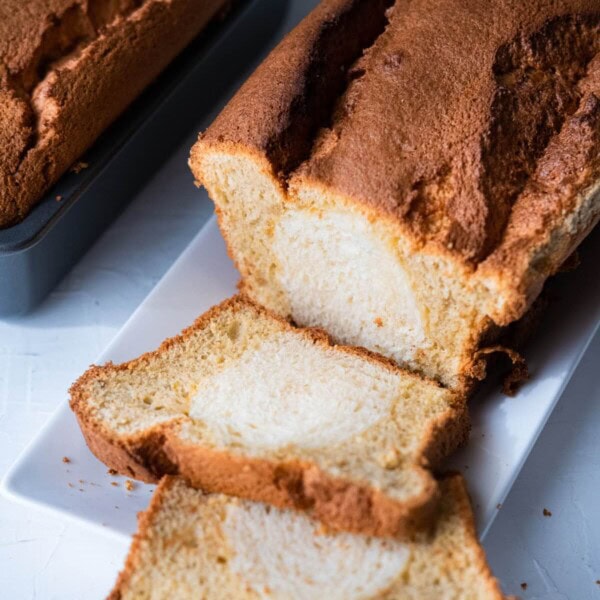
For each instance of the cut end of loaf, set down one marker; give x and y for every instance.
(244, 403)
(189, 541)
(320, 259)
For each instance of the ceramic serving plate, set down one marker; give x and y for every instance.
(504, 429)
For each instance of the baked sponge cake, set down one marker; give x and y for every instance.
(68, 68)
(407, 175)
(192, 545)
(244, 404)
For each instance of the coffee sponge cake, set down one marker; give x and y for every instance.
(407, 175)
(68, 68)
(194, 545)
(243, 403)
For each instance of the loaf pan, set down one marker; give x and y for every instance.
(36, 253)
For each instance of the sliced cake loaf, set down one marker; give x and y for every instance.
(193, 545)
(378, 178)
(245, 404)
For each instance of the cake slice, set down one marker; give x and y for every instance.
(379, 178)
(192, 545)
(245, 404)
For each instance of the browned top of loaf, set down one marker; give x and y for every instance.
(448, 115)
(35, 36)
(22, 29)
(68, 68)
(36, 32)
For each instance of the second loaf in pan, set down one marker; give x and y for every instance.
(407, 175)
(243, 403)
(68, 68)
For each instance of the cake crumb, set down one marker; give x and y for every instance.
(378, 321)
(111, 472)
(115, 483)
(66, 459)
(70, 485)
(547, 513)
(524, 585)
(79, 166)
(390, 459)
(82, 481)
(499, 506)
(518, 374)
(59, 198)
(129, 485)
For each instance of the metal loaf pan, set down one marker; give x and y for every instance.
(36, 253)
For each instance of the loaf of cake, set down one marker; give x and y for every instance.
(243, 403)
(68, 68)
(406, 175)
(191, 545)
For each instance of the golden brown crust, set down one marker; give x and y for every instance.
(464, 157)
(456, 499)
(308, 73)
(446, 434)
(558, 207)
(488, 158)
(68, 68)
(112, 452)
(139, 456)
(145, 520)
(340, 504)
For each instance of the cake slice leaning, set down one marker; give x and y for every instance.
(193, 545)
(245, 404)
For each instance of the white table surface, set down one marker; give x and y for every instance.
(558, 557)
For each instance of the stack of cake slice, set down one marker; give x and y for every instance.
(243, 403)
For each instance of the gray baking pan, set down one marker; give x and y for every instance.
(36, 253)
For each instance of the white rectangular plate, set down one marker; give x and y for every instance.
(504, 429)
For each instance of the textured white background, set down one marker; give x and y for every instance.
(42, 353)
